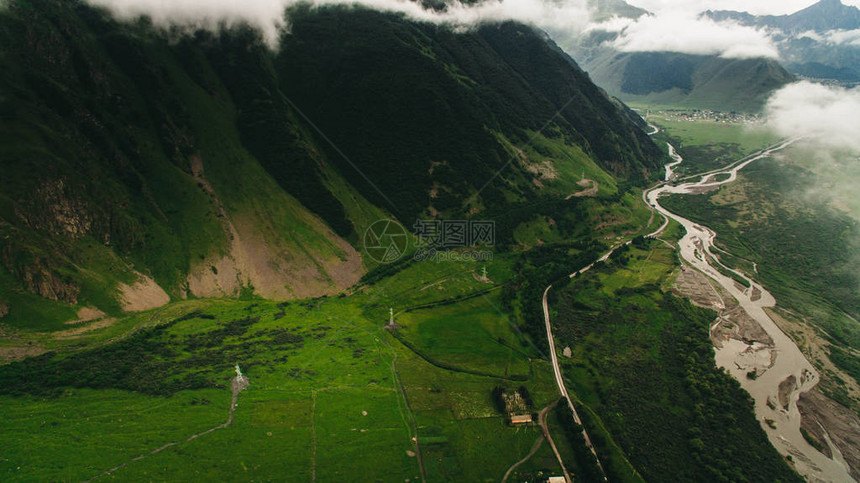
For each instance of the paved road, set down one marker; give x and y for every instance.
(559, 380)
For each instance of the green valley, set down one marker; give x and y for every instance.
(380, 246)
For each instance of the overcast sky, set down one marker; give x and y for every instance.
(758, 7)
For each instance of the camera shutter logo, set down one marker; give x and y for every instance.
(385, 241)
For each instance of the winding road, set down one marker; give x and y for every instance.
(695, 249)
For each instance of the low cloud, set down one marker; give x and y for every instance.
(834, 37)
(809, 34)
(842, 37)
(268, 15)
(687, 34)
(824, 115)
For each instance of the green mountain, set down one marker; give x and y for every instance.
(672, 78)
(705, 82)
(139, 166)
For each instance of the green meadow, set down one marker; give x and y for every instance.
(328, 385)
(705, 143)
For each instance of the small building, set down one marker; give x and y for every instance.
(521, 418)
(556, 479)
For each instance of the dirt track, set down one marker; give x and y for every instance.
(237, 385)
(590, 189)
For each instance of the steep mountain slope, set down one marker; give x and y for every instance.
(113, 153)
(418, 107)
(139, 166)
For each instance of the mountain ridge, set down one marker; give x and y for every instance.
(822, 16)
(673, 78)
(197, 164)
(804, 38)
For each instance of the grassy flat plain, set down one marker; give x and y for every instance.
(705, 143)
(327, 386)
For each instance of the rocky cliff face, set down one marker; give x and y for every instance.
(55, 208)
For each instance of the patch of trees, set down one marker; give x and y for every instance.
(499, 399)
(675, 415)
(585, 462)
(150, 361)
(537, 268)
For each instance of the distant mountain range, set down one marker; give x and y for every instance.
(672, 78)
(821, 41)
(821, 17)
(700, 81)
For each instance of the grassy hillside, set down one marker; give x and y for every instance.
(140, 167)
(110, 141)
(421, 110)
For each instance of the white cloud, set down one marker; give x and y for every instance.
(267, 15)
(843, 37)
(685, 33)
(755, 7)
(615, 24)
(827, 116)
(810, 34)
(834, 37)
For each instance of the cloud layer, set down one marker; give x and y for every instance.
(675, 28)
(685, 33)
(835, 37)
(267, 15)
(826, 115)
